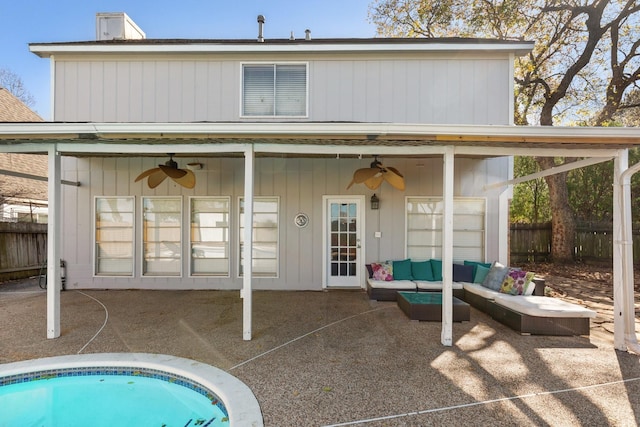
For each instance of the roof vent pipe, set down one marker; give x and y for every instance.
(307, 34)
(260, 28)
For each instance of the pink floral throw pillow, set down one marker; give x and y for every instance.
(383, 271)
(517, 282)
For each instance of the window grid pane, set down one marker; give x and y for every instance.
(209, 236)
(424, 228)
(259, 93)
(113, 254)
(161, 236)
(291, 91)
(265, 237)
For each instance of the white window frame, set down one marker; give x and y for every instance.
(274, 115)
(459, 228)
(239, 248)
(95, 232)
(143, 271)
(192, 273)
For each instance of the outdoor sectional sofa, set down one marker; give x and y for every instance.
(415, 276)
(524, 312)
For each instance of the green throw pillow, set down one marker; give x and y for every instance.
(402, 270)
(436, 266)
(422, 271)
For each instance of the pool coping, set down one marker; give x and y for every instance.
(240, 402)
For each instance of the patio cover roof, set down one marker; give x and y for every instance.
(314, 139)
(337, 138)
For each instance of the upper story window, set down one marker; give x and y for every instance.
(273, 90)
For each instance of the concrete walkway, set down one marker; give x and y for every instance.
(337, 358)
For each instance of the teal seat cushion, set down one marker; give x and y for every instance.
(436, 267)
(421, 270)
(402, 270)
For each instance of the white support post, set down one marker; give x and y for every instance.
(447, 247)
(624, 334)
(503, 225)
(54, 282)
(247, 265)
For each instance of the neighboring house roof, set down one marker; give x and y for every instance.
(15, 111)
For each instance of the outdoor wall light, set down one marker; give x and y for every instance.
(375, 202)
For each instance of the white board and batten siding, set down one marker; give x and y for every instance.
(299, 184)
(437, 89)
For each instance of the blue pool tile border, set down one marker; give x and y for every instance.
(123, 371)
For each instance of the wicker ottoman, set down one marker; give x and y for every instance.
(428, 306)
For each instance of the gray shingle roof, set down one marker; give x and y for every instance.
(14, 110)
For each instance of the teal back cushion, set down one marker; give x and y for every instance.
(402, 270)
(436, 267)
(421, 270)
(475, 265)
(481, 273)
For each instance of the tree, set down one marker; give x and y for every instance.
(585, 60)
(629, 112)
(13, 83)
(531, 198)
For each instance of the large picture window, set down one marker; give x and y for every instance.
(209, 237)
(274, 90)
(424, 228)
(161, 236)
(265, 236)
(114, 219)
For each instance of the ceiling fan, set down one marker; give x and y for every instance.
(183, 177)
(373, 176)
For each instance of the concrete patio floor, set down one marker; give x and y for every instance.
(337, 358)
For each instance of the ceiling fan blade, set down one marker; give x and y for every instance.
(174, 173)
(156, 178)
(146, 173)
(187, 181)
(353, 181)
(361, 175)
(374, 182)
(396, 171)
(395, 178)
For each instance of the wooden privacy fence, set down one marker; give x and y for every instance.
(23, 249)
(593, 242)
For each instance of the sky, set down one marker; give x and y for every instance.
(44, 21)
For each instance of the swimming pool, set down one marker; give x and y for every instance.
(123, 389)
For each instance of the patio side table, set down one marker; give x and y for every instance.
(428, 306)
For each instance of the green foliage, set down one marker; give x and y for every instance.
(530, 203)
(591, 192)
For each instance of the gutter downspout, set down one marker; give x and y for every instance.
(623, 287)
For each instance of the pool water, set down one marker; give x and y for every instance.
(107, 400)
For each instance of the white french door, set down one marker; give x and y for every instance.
(344, 256)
